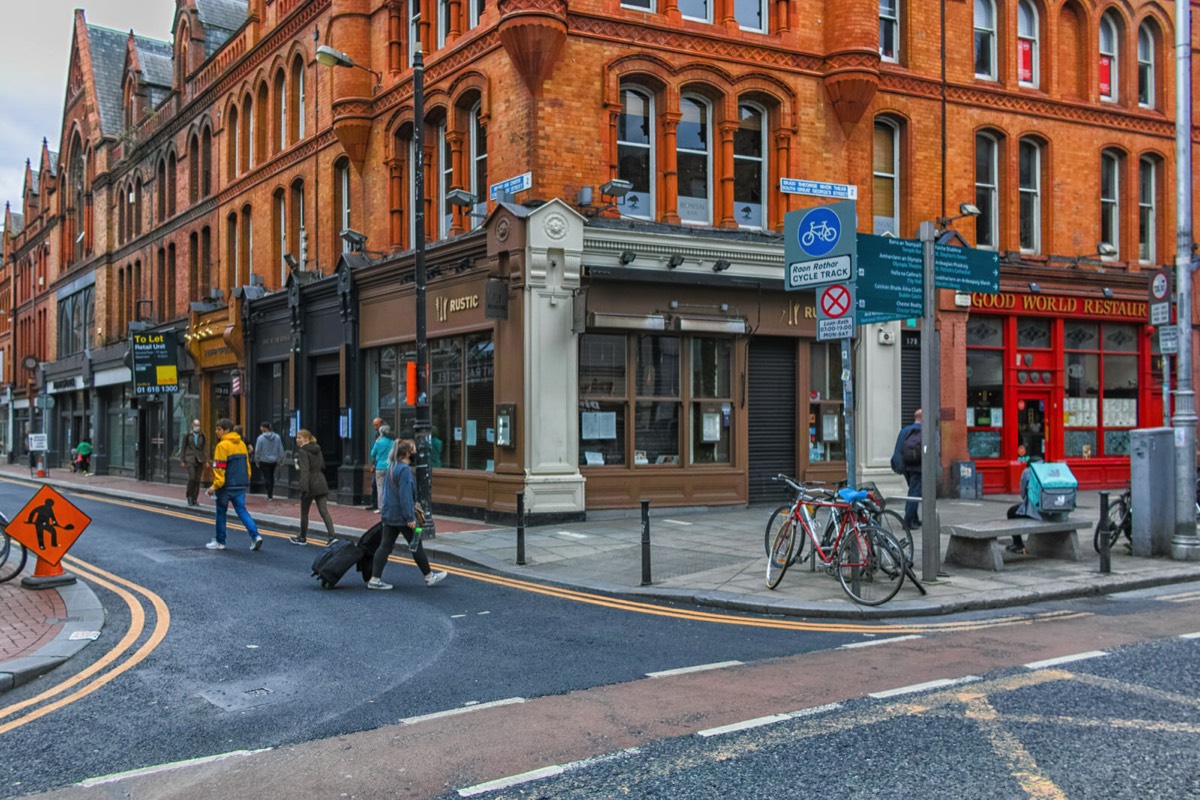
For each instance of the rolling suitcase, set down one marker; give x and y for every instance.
(335, 561)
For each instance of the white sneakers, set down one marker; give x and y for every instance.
(434, 577)
(257, 543)
(430, 580)
(375, 583)
(214, 545)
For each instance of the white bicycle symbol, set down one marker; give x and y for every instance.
(818, 230)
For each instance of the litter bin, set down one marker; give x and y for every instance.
(966, 479)
(1152, 485)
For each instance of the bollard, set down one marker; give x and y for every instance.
(520, 529)
(645, 543)
(1105, 556)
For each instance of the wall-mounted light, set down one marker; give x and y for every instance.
(720, 265)
(1108, 292)
(356, 240)
(674, 261)
(1106, 249)
(1033, 287)
(291, 261)
(627, 257)
(461, 198)
(616, 188)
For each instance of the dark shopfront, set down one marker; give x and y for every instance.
(1060, 377)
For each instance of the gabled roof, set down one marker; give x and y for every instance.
(220, 19)
(156, 60)
(31, 177)
(14, 222)
(108, 66)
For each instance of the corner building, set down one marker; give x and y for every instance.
(618, 328)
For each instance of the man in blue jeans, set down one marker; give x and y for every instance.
(231, 481)
(910, 470)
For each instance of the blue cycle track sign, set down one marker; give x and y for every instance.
(820, 245)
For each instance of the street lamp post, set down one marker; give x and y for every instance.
(423, 423)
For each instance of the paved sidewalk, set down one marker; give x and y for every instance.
(706, 557)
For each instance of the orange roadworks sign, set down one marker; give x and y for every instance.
(48, 525)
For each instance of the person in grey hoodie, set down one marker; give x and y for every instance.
(313, 486)
(268, 452)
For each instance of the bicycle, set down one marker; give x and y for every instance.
(816, 231)
(1120, 522)
(870, 565)
(13, 554)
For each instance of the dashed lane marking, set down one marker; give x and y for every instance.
(142, 772)
(452, 712)
(1180, 597)
(1195, 635)
(873, 642)
(665, 673)
(544, 772)
(941, 683)
(1054, 662)
(759, 722)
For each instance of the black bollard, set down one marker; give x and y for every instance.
(645, 543)
(1105, 556)
(520, 529)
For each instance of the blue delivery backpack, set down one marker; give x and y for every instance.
(1051, 488)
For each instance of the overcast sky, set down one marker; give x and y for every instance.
(35, 45)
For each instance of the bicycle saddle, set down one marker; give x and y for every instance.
(852, 495)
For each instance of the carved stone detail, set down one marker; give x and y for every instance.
(533, 33)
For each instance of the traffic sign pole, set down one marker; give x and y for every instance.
(931, 536)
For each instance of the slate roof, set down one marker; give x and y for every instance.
(157, 61)
(220, 19)
(33, 177)
(53, 162)
(16, 223)
(108, 67)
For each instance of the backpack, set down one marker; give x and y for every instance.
(910, 450)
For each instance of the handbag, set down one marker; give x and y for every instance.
(419, 513)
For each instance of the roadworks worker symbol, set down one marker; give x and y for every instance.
(48, 525)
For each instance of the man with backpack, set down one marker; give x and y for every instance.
(906, 461)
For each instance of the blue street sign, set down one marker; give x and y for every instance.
(819, 244)
(838, 191)
(512, 185)
(889, 275)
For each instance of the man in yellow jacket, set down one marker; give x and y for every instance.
(231, 480)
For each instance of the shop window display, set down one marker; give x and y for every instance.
(826, 416)
(1100, 403)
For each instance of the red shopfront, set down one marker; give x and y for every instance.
(1062, 377)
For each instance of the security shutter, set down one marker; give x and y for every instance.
(910, 374)
(772, 416)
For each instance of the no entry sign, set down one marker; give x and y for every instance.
(835, 312)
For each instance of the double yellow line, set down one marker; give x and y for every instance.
(106, 668)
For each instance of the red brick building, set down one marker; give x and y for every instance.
(649, 349)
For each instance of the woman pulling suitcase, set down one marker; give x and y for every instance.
(399, 516)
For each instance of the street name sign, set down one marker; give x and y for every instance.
(835, 312)
(819, 244)
(965, 269)
(838, 191)
(511, 186)
(889, 275)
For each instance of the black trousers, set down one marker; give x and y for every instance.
(268, 473)
(390, 532)
(195, 470)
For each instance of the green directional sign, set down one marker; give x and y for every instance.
(889, 275)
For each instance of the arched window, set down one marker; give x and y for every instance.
(1110, 199)
(750, 167)
(296, 96)
(1029, 168)
(987, 182)
(279, 126)
(232, 144)
(206, 162)
(246, 134)
(1146, 66)
(262, 117)
(162, 189)
(1147, 209)
(172, 178)
(1110, 63)
(751, 15)
(1028, 69)
(246, 248)
(985, 39)
(160, 285)
(297, 235)
(341, 200)
(694, 160)
(479, 167)
(130, 198)
(279, 230)
(889, 30)
(193, 169)
(169, 308)
(700, 10)
(886, 177)
(194, 266)
(474, 12)
(635, 152)
(445, 183)
(231, 250)
(206, 276)
(137, 208)
(121, 215)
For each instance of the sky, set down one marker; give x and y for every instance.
(35, 46)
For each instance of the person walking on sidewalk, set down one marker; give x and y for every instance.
(906, 461)
(377, 424)
(85, 455)
(313, 486)
(381, 451)
(399, 496)
(231, 481)
(268, 452)
(192, 458)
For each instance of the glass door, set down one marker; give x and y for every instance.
(1033, 414)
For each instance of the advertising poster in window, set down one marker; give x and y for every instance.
(155, 363)
(1106, 76)
(1025, 60)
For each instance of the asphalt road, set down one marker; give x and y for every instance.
(207, 654)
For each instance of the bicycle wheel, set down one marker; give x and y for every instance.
(777, 517)
(870, 565)
(781, 552)
(1118, 522)
(893, 523)
(12, 558)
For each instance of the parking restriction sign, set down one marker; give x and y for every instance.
(835, 312)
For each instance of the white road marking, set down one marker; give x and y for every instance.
(573, 535)
(1054, 662)
(758, 722)
(543, 772)
(698, 668)
(457, 616)
(874, 642)
(941, 683)
(450, 712)
(138, 773)
(1195, 635)
(676, 522)
(483, 613)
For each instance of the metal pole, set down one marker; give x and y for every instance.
(645, 543)
(848, 415)
(423, 422)
(1185, 545)
(931, 540)
(1105, 556)
(1166, 367)
(520, 529)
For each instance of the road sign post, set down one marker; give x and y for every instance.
(931, 537)
(819, 245)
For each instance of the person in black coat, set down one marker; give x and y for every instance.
(192, 457)
(313, 486)
(911, 473)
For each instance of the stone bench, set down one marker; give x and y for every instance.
(975, 544)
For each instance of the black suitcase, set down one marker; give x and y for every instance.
(335, 561)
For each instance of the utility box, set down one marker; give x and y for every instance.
(966, 480)
(1152, 490)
